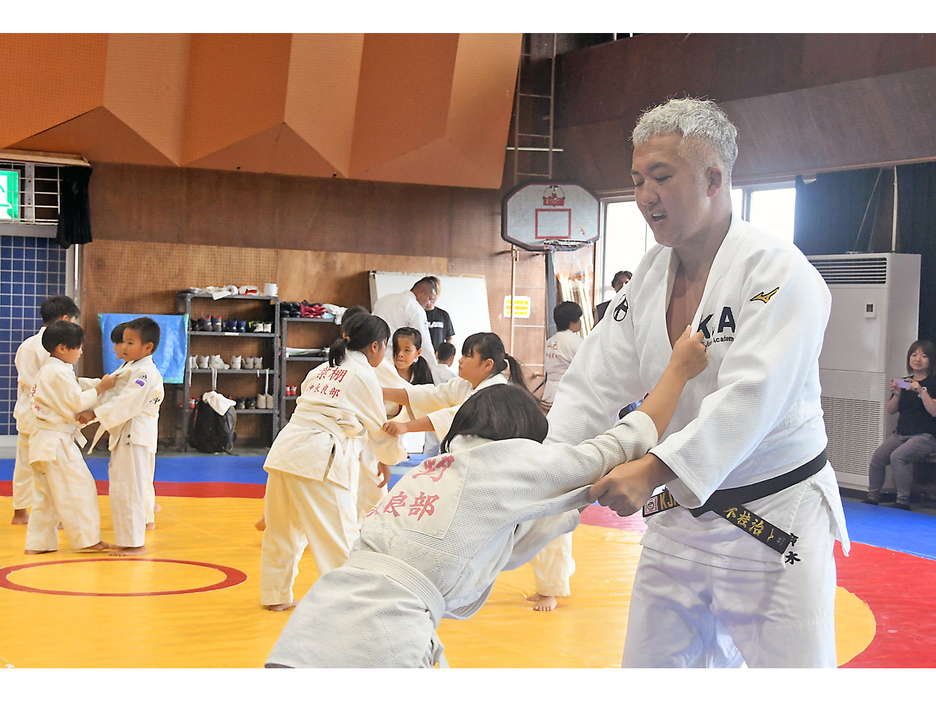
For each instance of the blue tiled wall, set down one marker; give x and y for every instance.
(31, 269)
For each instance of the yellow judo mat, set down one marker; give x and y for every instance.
(194, 601)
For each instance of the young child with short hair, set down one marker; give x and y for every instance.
(29, 359)
(434, 546)
(131, 417)
(446, 357)
(64, 488)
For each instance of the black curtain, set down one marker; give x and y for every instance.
(916, 227)
(74, 222)
(829, 211)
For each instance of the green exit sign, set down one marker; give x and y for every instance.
(9, 195)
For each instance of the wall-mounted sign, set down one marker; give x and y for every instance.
(9, 195)
(520, 308)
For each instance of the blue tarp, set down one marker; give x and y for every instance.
(172, 353)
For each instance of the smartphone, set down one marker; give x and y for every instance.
(902, 383)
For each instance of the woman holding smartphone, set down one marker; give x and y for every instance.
(915, 436)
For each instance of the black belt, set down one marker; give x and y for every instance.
(727, 503)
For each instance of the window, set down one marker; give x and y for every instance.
(38, 196)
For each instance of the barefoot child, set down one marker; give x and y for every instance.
(29, 359)
(313, 466)
(131, 417)
(435, 544)
(63, 486)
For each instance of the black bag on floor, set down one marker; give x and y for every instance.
(210, 432)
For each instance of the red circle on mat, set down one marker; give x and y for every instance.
(232, 577)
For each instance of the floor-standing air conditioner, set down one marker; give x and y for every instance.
(874, 319)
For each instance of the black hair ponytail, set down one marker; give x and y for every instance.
(489, 345)
(499, 412)
(357, 333)
(422, 375)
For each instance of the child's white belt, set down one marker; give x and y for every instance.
(412, 580)
(63, 429)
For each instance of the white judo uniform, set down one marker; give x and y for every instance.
(434, 546)
(441, 402)
(131, 417)
(63, 487)
(554, 565)
(313, 471)
(706, 592)
(29, 359)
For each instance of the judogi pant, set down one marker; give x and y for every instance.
(368, 492)
(129, 475)
(553, 566)
(63, 490)
(299, 512)
(150, 490)
(22, 474)
(685, 614)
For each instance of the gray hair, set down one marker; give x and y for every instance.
(690, 117)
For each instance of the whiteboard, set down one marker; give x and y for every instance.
(463, 297)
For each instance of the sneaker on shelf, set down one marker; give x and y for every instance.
(236, 362)
(204, 324)
(193, 402)
(255, 326)
(203, 362)
(240, 403)
(250, 403)
(260, 402)
(241, 326)
(216, 363)
(192, 362)
(216, 324)
(270, 401)
(268, 327)
(248, 362)
(257, 363)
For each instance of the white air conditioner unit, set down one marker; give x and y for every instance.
(874, 319)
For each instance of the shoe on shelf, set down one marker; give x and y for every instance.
(237, 362)
(250, 402)
(216, 363)
(869, 501)
(269, 401)
(257, 363)
(241, 326)
(192, 362)
(260, 401)
(216, 324)
(202, 362)
(901, 505)
(203, 324)
(248, 362)
(268, 327)
(240, 403)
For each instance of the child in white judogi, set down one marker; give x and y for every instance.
(64, 488)
(554, 565)
(131, 417)
(29, 359)
(313, 467)
(435, 544)
(482, 365)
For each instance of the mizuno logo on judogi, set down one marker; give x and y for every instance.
(765, 296)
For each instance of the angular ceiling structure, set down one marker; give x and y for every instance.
(409, 108)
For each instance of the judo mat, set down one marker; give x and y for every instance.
(193, 600)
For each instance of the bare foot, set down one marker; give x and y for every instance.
(150, 526)
(261, 525)
(99, 546)
(533, 598)
(20, 516)
(156, 507)
(32, 552)
(545, 603)
(129, 551)
(281, 607)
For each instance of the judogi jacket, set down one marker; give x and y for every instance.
(56, 398)
(560, 348)
(752, 414)
(339, 408)
(131, 414)
(29, 359)
(441, 402)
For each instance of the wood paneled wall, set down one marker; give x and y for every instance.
(160, 230)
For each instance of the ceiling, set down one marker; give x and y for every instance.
(408, 108)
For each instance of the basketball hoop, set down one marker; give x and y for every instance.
(550, 216)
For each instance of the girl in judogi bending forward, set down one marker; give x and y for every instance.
(435, 543)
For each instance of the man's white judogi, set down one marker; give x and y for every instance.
(63, 486)
(313, 471)
(441, 402)
(29, 359)
(435, 544)
(754, 413)
(131, 417)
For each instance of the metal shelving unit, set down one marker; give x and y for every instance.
(269, 313)
(287, 362)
